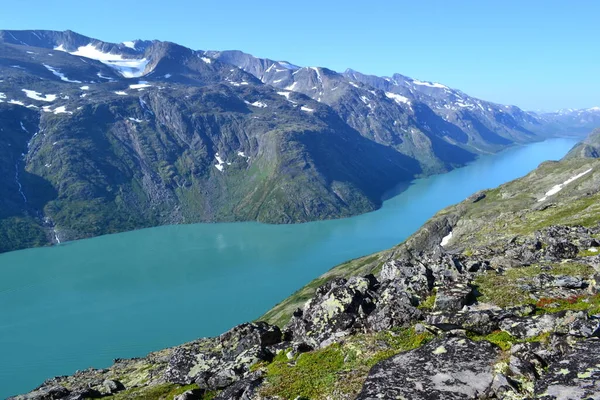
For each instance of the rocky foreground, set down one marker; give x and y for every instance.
(518, 320)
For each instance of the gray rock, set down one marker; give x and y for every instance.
(561, 250)
(113, 386)
(394, 308)
(446, 368)
(245, 389)
(453, 296)
(189, 395)
(575, 376)
(585, 328)
(524, 328)
(417, 279)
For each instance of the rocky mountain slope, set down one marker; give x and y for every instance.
(99, 137)
(494, 298)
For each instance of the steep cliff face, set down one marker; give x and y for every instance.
(496, 297)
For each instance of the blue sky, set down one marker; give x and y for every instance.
(532, 53)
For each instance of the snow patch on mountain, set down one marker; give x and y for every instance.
(557, 188)
(32, 94)
(141, 85)
(128, 67)
(429, 84)
(292, 86)
(129, 44)
(399, 99)
(287, 65)
(59, 74)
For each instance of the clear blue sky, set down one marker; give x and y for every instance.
(532, 53)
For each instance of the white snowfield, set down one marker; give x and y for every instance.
(304, 108)
(128, 67)
(140, 85)
(32, 94)
(57, 110)
(220, 162)
(62, 76)
(557, 188)
(429, 84)
(446, 239)
(129, 44)
(121, 93)
(399, 99)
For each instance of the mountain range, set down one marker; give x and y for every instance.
(99, 137)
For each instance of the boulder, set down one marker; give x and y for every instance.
(394, 308)
(112, 386)
(446, 368)
(453, 296)
(338, 309)
(575, 376)
(244, 389)
(189, 395)
(561, 251)
(413, 278)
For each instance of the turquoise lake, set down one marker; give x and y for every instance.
(84, 303)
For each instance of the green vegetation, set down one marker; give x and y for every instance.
(164, 391)
(338, 370)
(588, 303)
(589, 252)
(504, 290)
(20, 233)
(427, 304)
(505, 340)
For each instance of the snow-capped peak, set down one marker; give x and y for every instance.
(128, 67)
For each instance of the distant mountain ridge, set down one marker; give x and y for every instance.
(102, 137)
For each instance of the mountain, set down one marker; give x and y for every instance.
(588, 148)
(583, 120)
(101, 137)
(493, 298)
(432, 123)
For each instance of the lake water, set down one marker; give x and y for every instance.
(87, 302)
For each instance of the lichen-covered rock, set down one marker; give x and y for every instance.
(525, 328)
(338, 309)
(453, 296)
(446, 368)
(394, 308)
(575, 376)
(55, 392)
(414, 278)
(561, 250)
(217, 363)
(245, 389)
(188, 395)
(112, 386)
(479, 321)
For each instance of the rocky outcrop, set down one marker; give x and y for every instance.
(575, 376)
(447, 368)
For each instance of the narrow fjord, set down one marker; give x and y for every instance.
(84, 303)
